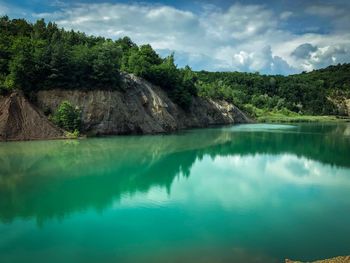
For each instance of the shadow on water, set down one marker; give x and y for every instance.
(51, 179)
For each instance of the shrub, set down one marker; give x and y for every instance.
(250, 109)
(67, 117)
(72, 135)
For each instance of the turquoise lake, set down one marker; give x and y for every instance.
(245, 193)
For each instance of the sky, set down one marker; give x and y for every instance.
(270, 37)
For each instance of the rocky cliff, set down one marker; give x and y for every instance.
(141, 108)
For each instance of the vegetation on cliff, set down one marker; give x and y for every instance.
(42, 56)
(67, 117)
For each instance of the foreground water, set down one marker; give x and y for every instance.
(248, 193)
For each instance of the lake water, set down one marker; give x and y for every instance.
(247, 193)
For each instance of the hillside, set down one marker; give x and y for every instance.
(320, 92)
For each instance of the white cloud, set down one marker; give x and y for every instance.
(239, 22)
(285, 15)
(243, 37)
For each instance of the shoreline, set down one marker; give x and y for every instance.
(339, 259)
(82, 136)
(300, 119)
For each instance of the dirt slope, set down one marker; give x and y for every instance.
(20, 120)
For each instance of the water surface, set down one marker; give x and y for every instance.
(247, 193)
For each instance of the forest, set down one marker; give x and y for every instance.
(305, 93)
(40, 55)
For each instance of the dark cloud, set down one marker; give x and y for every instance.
(331, 55)
(304, 51)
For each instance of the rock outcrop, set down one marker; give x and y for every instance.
(20, 120)
(342, 104)
(142, 108)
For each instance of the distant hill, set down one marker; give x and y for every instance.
(334, 77)
(312, 93)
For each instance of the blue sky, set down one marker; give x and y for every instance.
(272, 37)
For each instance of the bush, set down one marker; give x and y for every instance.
(72, 135)
(251, 110)
(67, 117)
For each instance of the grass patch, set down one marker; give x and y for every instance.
(285, 115)
(300, 118)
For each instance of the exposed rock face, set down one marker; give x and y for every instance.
(20, 120)
(342, 104)
(141, 109)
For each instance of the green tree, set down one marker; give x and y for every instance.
(60, 67)
(189, 79)
(22, 72)
(105, 65)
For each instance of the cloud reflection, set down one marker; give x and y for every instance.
(246, 182)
